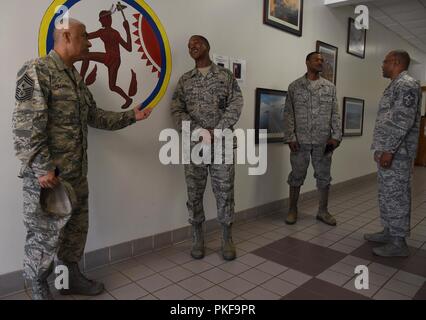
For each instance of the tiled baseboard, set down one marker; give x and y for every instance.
(13, 282)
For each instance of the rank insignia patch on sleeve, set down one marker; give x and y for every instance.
(24, 88)
(409, 99)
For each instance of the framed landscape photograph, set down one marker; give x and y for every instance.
(286, 15)
(270, 113)
(353, 116)
(356, 40)
(329, 53)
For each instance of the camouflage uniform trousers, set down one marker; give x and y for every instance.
(395, 196)
(48, 235)
(300, 162)
(222, 180)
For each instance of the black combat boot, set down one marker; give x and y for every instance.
(380, 237)
(396, 247)
(79, 284)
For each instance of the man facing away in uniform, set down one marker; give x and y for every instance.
(312, 130)
(395, 141)
(209, 97)
(53, 108)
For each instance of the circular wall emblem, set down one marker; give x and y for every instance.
(130, 53)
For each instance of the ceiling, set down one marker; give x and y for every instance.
(407, 18)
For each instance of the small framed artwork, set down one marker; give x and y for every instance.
(270, 113)
(356, 40)
(286, 15)
(329, 53)
(353, 116)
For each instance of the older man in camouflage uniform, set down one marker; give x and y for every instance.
(210, 98)
(312, 130)
(395, 139)
(52, 111)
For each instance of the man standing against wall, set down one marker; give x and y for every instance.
(209, 97)
(312, 130)
(53, 108)
(395, 139)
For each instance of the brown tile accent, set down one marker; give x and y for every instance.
(283, 245)
(421, 294)
(300, 255)
(303, 294)
(416, 265)
(330, 291)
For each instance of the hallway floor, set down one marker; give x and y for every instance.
(308, 260)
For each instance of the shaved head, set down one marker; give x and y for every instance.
(71, 41)
(73, 25)
(403, 57)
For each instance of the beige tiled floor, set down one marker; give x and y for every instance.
(171, 273)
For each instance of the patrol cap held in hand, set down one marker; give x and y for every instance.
(60, 200)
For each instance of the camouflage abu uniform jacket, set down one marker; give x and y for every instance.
(311, 116)
(398, 118)
(211, 102)
(53, 108)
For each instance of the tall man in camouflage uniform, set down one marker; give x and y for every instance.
(209, 97)
(395, 139)
(312, 130)
(50, 118)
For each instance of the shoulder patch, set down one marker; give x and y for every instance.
(409, 99)
(24, 88)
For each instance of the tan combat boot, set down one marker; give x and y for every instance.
(197, 249)
(228, 247)
(292, 210)
(323, 214)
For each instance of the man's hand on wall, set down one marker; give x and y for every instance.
(142, 114)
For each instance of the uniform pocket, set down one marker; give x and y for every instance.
(326, 99)
(300, 98)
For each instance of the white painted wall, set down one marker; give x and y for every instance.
(418, 71)
(131, 194)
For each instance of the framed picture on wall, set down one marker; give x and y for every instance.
(270, 113)
(286, 15)
(356, 40)
(353, 116)
(329, 53)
